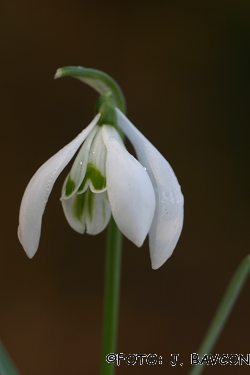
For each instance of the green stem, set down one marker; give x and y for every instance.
(233, 290)
(111, 296)
(6, 365)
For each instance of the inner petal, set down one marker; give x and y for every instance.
(79, 167)
(95, 176)
(88, 211)
(98, 212)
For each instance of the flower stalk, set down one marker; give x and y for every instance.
(111, 296)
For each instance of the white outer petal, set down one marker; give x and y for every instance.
(130, 191)
(168, 219)
(38, 190)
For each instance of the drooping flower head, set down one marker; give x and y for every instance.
(143, 195)
(105, 178)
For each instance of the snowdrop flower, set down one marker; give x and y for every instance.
(143, 196)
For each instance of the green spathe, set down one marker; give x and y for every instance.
(98, 80)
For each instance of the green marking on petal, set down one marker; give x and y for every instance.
(95, 176)
(91, 202)
(83, 201)
(79, 205)
(70, 187)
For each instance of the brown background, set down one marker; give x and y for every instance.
(184, 68)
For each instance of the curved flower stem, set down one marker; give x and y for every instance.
(233, 290)
(6, 365)
(111, 296)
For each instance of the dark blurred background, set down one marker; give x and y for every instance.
(184, 68)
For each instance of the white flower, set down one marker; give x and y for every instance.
(143, 196)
